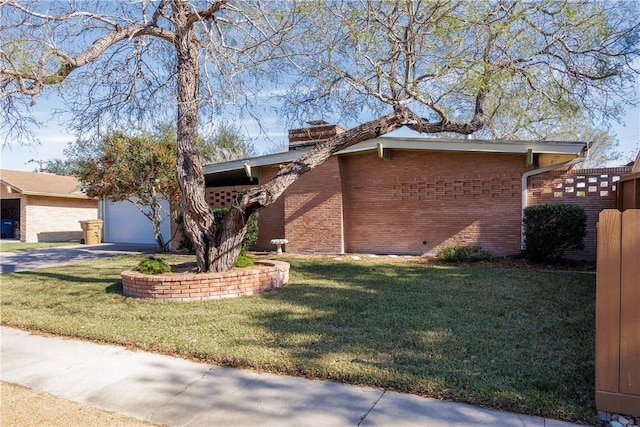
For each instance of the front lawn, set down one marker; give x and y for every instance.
(517, 340)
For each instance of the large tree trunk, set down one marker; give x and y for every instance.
(198, 220)
(229, 240)
(217, 250)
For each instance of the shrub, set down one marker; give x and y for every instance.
(553, 228)
(250, 237)
(461, 253)
(153, 265)
(244, 261)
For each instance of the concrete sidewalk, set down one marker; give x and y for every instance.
(176, 392)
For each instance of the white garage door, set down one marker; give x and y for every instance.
(124, 223)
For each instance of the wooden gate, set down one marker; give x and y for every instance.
(618, 312)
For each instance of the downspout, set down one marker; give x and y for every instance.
(525, 200)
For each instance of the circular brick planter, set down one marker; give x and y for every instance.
(263, 276)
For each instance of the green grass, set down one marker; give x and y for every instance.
(21, 246)
(515, 340)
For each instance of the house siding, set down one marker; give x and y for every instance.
(4, 194)
(418, 201)
(270, 219)
(313, 211)
(394, 206)
(48, 219)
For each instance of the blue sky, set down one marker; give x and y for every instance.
(54, 138)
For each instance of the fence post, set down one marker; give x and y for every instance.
(617, 313)
(630, 305)
(608, 302)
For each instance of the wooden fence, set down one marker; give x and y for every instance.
(618, 312)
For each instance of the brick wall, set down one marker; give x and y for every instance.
(54, 218)
(313, 211)
(393, 206)
(361, 203)
(271, 218)
(265, 275)
(593, 189)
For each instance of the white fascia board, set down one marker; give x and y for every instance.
(469, 145)
(255, 162)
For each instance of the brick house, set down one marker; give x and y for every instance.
(46, 207)
(404, 195)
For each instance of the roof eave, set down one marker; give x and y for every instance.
(254, 162)
(471, 145)
(13, 187)
(59, 195)
(399, 143)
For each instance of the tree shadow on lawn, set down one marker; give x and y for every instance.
(63, 277)
(114, 288)
(509, 340)
(56, 279)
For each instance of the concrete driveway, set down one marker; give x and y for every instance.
(63, 255)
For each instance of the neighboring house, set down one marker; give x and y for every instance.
(44, 206)
(403, 195)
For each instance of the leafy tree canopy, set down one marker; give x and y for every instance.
(226, 144)
(445, 67)
(138, 169)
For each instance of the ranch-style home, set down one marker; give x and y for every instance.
(408, 195)
(42, 207)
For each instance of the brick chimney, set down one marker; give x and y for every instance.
(318, 131)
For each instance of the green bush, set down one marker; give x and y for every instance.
(461, 253)
(553, 228)
(250, 237)
(153, 265)
(244, 261)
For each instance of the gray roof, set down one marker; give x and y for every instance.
(412, 143)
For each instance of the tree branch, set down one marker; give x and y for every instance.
(40, 78)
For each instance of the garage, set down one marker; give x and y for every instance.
(124, 223)
(10, 218)
(42, 207)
